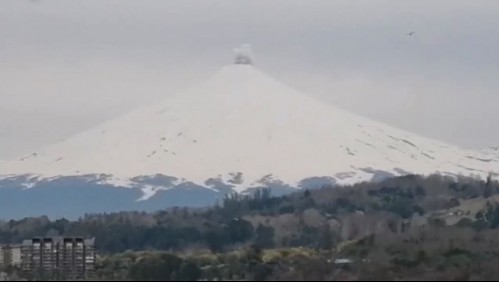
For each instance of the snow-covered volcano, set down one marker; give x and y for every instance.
(492, 154)
(242, 129)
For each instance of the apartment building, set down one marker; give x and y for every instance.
(10, 256)
(67, 258)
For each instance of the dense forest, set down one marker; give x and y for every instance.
(410, 227)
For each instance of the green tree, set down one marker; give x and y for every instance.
(163, 267)
(240, 230)
(265, 236)
(326, 239)
(189, 271)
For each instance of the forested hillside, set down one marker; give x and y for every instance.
(392, 229)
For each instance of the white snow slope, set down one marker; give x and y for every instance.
(243, 121)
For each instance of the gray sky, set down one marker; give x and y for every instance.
(68, 65)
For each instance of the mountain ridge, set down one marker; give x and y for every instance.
(238, 131)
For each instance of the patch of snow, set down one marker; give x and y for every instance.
(117, 182)
(28, 185)
(149, 191)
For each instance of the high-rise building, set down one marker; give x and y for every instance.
(59, 257)
(10, 255)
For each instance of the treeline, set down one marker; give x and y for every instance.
(432, 253)
(318, 219)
